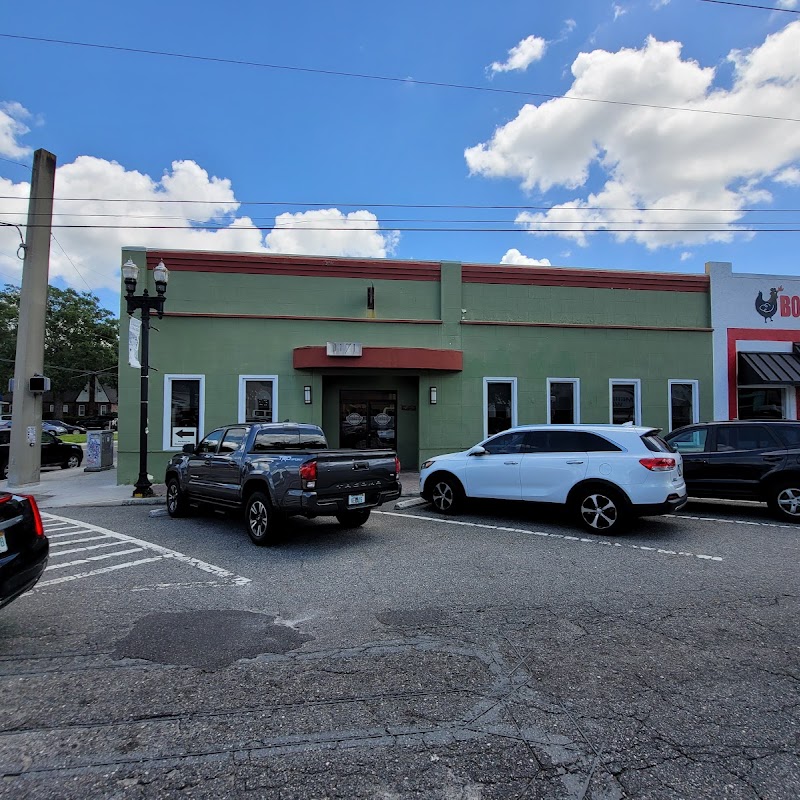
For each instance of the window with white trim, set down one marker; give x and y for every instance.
(184, 410)
(499, 405)
(625, 401)
(65, 408)
(563, 401)
(684, 403)
(103, 409)
(81, 410)
(52, 407)
(258, 398)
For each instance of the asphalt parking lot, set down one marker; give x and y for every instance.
(502, 653)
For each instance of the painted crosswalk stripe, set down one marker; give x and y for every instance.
(102, 570)
(112, 543)
(163, 553)
(89, 559)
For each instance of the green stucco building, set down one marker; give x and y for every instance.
(425, 357)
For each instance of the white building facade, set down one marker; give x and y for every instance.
(756, 344)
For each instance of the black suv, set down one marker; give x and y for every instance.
(743, 460)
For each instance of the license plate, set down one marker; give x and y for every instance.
(3, 544)
(356, 499)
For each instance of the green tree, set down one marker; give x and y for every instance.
(81, 338)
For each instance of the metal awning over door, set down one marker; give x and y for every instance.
(769, 368)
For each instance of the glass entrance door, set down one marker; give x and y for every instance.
(367, 419)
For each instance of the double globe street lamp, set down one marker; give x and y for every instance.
(147, 304)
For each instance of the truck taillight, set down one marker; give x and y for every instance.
(396, 465)
(308, 471)
(658, 464)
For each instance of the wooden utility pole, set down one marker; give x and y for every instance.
(26, 426)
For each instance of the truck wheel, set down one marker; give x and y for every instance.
(784, 500)
(177, 504)
(260, 519)
(353, 519)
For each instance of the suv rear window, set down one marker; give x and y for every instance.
(788, 434)
(655, 443)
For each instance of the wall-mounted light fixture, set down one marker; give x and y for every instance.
(433, 395)
(307, 395)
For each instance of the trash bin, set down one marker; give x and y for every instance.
(99, 450)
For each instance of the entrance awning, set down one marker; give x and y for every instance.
(418, 358)
(761, 368)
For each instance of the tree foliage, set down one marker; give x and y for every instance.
(81, 338)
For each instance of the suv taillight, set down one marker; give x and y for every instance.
(396, 465)
(658, 464)
(308, 473)
(37, 517)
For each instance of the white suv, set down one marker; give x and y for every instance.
(604, 474)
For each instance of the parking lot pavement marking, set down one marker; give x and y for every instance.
(735, 521)
(55, 522)
(112, 543)
(79, 575)
(562, 536)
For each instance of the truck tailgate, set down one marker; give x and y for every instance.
(355, 472)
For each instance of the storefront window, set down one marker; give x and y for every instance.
(625, 402)
(762, 402)
(183, 410)
(562, 401)
(500, 404)
(258, 398)
(682, 403)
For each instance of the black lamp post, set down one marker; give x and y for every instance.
(130, 272)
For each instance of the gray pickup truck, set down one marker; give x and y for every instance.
(278, 470)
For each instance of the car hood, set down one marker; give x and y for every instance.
(459, 454)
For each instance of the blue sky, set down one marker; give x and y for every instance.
(342, 150)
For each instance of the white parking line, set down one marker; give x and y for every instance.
(736, 521)
(101, 557)
(563, 537)
(136, 545)
(112, 543)
(79, 575)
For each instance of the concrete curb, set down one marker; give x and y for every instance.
(411, 502)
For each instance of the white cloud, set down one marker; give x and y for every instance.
(655, 158)
(787, 4)
(685, 255)
(95, 250)
(522, 55)
(514, 256)
(11, 128)
(660, 4)
(790, 177)
(619, 11)
(356, 234)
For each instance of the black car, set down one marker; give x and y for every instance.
(55, 453)
(743, 460)
(23, 546)
(65, 425)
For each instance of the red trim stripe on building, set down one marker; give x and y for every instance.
(585, 278)
(302, 266)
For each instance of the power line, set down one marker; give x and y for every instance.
(18, 163)
(71, 262)
(748, 5)
(389, 78)
(722, 227)
(367, 206)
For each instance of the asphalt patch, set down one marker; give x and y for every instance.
(207, 639)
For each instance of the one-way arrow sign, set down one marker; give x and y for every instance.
(183, 435)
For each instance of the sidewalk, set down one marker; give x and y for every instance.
(59, 488)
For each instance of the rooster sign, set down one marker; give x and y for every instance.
(767, 308)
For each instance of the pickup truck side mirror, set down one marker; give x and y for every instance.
(478, 451)
(189, 449)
